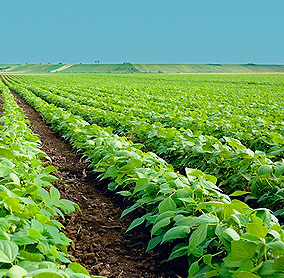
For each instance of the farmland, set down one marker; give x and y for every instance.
(199, 157)
(138, 68)
(32, 242)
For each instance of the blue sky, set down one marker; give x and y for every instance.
(144, 31)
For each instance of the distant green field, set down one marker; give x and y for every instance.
(28, 69)
(191, 68)
(138, 68)
(100, 68)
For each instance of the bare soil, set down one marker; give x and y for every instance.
(99, 240)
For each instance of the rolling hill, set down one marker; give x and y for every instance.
(137, 68)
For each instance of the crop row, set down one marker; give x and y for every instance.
(236, 166)
(252, 114)
(220, 236)
(31, 241)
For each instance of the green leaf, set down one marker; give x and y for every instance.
(6, 153)
(162, 223)
(136, 163)
(198, 236)
(124, 193)
(178, 251)
(246, 266)
(267, 268)
(130, 209)
(44, 264)
(206, 218)
(164, 215)
(243, 250)
(111, 172)
(125, 168)
(193, 172)
(34, 233)
(77, 268)
(49, 169)
(54, 193)
(176, 232)
(171, 176)
(16, 272)
(255, 229)
(135, 223)
(54, 252)
(278, 246)
(62, 258)
(194, 268)
(67, 206)
(207, 259)
(31, 256)
(37, 225)
(13, 204)
(43, 194)
(211, 178)
(21, 238)
(5, 171)
(239, 193)
(141, 184)
(8, 251)
(225, 154)
(112, 186)
(15, 178)
(3, 272)
(232, 234)
(279, 171)
(264, 170)
(197, 252)
(4, 224)
(279, 264)
(167, 204)
(230, 262)
(154, 242)
(53, 232)
(44, 247)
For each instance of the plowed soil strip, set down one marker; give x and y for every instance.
(99, 242)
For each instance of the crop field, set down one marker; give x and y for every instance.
(199, 159)
(138, 68)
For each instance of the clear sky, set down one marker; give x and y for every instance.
(142, 31)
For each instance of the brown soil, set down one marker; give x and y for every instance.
(98, 233)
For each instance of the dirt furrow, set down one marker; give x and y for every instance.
(98, 233)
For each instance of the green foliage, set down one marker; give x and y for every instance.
(31, 241)
(242, 150)
(221, 237)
